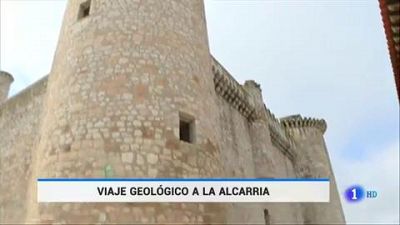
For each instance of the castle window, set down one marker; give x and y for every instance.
(267, 217)
(186, 128)
(84, 9)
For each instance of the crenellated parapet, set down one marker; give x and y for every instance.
(312, 161)
(297, 121)
(278, 135)
(229, 89)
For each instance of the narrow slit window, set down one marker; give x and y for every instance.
(267, 217)
(186, 128)
(84, 10)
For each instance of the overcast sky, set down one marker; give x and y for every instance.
(325, 59)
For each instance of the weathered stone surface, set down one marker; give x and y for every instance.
(127, 157)
(121, 79)
(5, 82)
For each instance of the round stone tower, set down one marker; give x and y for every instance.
(130, 94)
(312, 161)
(5, 82)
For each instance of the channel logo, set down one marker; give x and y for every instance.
(357, 193)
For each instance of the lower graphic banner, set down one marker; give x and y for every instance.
(182, 190)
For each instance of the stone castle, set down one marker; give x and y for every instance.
(134, 92)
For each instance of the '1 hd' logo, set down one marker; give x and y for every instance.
(357, 193)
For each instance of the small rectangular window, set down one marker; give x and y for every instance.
(84, 9)
(186, 128)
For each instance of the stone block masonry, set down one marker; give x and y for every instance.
(127, 77)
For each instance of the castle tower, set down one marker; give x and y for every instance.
(269, 161)
(312, 160)
(5, 82)
(130, 94)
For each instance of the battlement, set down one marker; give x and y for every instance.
(297, 121)
(131, 97)
(229, 89)
(278, 135)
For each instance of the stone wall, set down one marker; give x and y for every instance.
(257, 146)
(20, 119)
(253, 144)
(236, 153)
(312, 160)
(122, 79)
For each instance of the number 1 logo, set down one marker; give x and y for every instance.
(354, 193)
